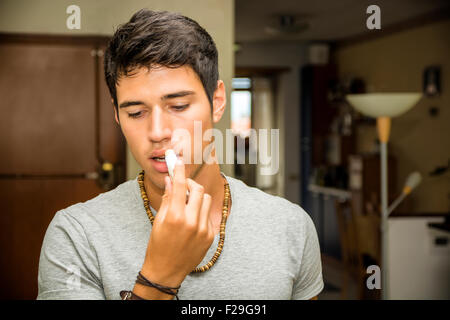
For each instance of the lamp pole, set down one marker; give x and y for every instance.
(384, 106)
(383, 128)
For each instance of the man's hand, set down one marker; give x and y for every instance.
(182, 232)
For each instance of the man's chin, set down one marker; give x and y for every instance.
(156, 178)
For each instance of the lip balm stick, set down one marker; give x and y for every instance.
(171, 159)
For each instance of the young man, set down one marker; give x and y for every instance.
(161, 70)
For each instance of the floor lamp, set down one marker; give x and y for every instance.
(383, 107)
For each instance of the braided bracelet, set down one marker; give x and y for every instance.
(168, 290)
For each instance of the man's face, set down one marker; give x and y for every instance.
(153, 104)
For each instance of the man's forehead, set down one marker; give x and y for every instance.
(160, 82)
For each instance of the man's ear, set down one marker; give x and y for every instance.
(116, 116)
(219, 101)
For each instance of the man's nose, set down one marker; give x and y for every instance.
(159, 127)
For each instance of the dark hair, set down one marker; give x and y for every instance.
(161, 38)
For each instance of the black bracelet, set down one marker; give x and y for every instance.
(168, 290)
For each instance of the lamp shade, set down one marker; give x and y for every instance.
(383, 104)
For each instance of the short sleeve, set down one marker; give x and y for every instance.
(309, 281)
(68, 266)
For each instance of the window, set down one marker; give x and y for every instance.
(241, 106)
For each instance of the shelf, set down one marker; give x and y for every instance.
(328, 191)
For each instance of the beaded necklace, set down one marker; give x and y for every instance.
(226, 200)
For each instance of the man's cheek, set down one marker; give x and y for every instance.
(181, 143)
(135, 148)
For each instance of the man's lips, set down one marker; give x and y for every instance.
(160, 165)
(158, 153)
(162, 154)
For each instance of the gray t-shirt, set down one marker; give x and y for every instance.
(94, 249)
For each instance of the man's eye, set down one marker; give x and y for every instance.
(180, 108)
(135, 115)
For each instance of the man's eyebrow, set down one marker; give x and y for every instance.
(130, 103)
(165, 97)
(177, 95)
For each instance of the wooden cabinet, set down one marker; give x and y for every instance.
(56, 129)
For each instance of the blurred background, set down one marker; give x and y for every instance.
(287, 65)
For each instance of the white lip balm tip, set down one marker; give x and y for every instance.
(171, 159)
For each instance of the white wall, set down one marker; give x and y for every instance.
(287, 105)
(101, 17)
